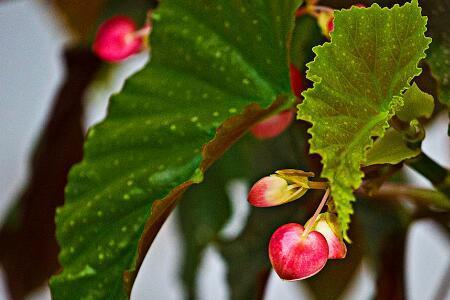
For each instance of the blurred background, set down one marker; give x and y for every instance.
(32, 70)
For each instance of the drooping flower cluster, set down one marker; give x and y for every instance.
(295, 251)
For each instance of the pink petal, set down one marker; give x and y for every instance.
(294, 258)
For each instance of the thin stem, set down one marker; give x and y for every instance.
(420, 196)
(413, 132)
(435, 173)
(310, 224)
(390, 282)
(318, 185)
(141, 33)
(144, 31)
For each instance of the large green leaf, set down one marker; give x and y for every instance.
(358, 79)
(249, 158)
(216, 68)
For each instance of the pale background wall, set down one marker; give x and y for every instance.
(30, 71)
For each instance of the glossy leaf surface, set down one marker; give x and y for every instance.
(215, 67)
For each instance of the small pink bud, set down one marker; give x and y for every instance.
(360, 5)
(273, 126)
(297, 85)
(270, 191)
(285, 186)
(116, 39)
(327, 224)
(296, 257)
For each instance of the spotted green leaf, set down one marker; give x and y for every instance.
(217, 67)
(358, 79)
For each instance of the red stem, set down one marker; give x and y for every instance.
(310, 224)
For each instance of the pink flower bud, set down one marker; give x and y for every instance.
(285, 186)
(327, 224)
(294, 256)
(116, 41)
(273, 126)
(360, 5)
(270, 191)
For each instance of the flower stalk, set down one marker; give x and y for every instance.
(312, 222)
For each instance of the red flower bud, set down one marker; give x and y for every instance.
(294, 256)
(271, 191)
(273, 126)
(297, 85)
(116, 39)
(285, 186)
